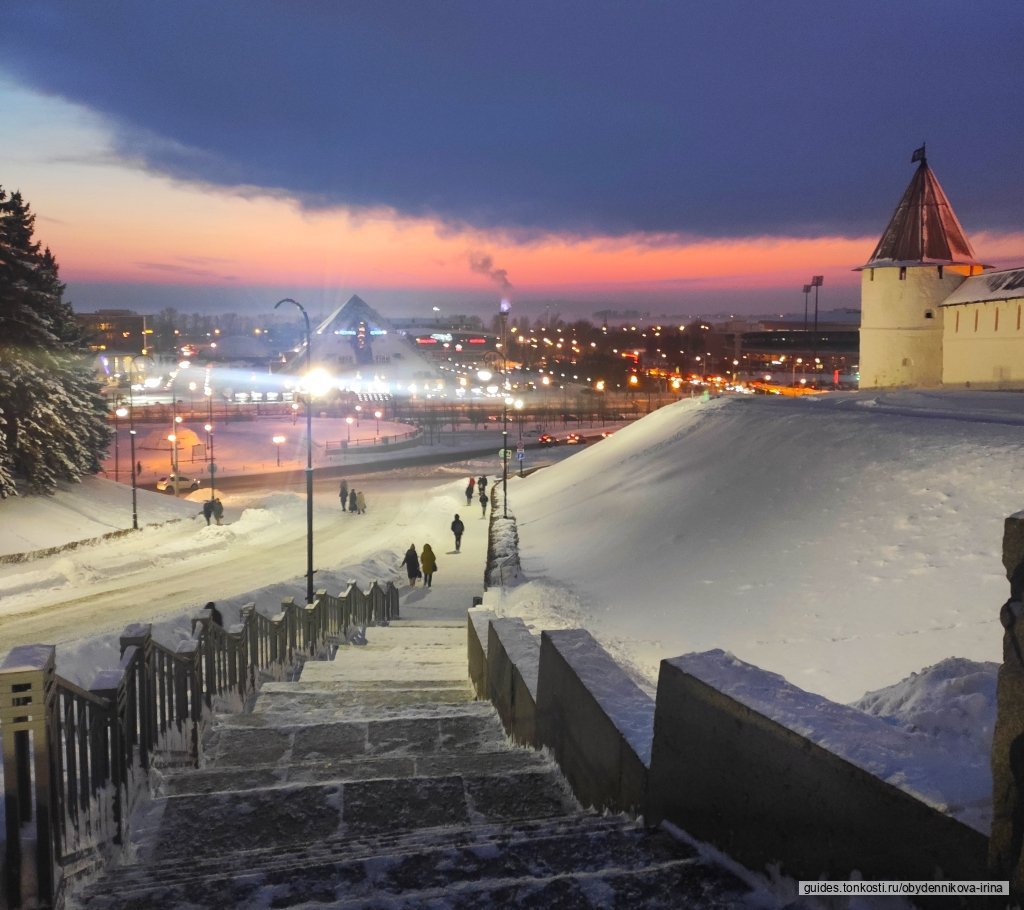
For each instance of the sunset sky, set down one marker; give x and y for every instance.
(674, 157)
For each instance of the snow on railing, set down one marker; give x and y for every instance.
(75, 761)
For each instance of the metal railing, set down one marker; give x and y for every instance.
(75, 760)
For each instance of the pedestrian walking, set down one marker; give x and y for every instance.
(343, 495)
(353, 506)
(208, 511)
(469, 492)
(428, 562)
(457, 528)
(482, 483)
(412, 565)
(360, 502)
(138, 469)
(218, 510)
(483, 504)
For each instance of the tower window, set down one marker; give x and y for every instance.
(956, 328)
(940, 272)
(975, 320)
(929, 314)
(903, 273)
(996, 327)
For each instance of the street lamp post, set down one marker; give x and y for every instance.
(807, 291)
(503, 310)
(118, 413)
(348, 421)
(209, 436)
(278, 439)
(816, 282)
(309, 452)
(377, 414)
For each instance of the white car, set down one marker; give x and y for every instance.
(175, 483)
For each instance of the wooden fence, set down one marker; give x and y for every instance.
(75, 760)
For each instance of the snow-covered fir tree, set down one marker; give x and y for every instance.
(52, 413)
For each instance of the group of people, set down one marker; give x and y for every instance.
(213, 508)
(422, 566)
(351, 500)
(479, 487)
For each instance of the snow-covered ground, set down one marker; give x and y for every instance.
(848, 545)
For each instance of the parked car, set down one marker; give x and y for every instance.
(546, 439)
(175, 483)
(575, 439)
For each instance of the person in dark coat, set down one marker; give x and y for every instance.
(469, 492)
(218, 510)
(208, 510)
(412, 565)
(428, 561)
(457, 528)
(343, 495)
(483, 503)
(352, 507)
(482, 483)
(215, 616)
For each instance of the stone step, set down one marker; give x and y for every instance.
(297, 709)
(297, 813)
(595, 863)
(425, 732)
(216, 779)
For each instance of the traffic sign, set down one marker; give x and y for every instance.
(520, 454)
(504, 454)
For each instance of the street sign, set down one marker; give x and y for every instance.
(504, 454)
(520, 454)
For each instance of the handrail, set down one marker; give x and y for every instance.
(75, 760)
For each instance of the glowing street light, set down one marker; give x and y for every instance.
(349, 420)
(378, 415)
(278, 439)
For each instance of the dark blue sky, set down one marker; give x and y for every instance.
(714, 119)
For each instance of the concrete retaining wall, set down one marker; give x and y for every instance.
(513, 656)
(595, 720)
(765, 795)
(477, 630)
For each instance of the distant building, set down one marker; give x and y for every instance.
(931, 314)
(364, 353)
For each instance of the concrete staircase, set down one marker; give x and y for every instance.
(377, 781)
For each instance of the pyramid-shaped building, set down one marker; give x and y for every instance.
(363, 352)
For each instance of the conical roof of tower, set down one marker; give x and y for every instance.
(924, 228)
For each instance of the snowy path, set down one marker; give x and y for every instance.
(258, 554)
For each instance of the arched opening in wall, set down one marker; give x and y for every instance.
(907, 362)
(929, 314)
(903, 273)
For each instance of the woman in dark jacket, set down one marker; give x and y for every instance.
(412, 564)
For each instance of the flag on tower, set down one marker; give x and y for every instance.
(918, 155)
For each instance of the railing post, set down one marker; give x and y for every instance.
(27, 689)
(140, 637)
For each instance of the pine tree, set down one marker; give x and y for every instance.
(52, 413)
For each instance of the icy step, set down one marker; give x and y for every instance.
(299, 813)
(220, 779)
(592, 864)
(472, 729)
